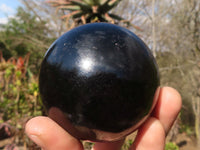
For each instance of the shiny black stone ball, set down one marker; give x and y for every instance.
(98, 81)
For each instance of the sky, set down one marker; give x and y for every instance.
(7, 9)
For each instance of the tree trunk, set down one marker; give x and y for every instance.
(153, 28)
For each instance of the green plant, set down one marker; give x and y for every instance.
(19, 99)
(127, 144)
(87, 145)
(24, 34)
(87, 11)
(187, 129)
(171, 146)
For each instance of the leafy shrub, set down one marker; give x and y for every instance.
(19, 98)
(171, 146)
(187, 129)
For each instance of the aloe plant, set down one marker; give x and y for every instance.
(87, 11)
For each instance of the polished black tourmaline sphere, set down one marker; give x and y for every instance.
(98, 81)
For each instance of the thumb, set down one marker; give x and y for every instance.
(50, 136)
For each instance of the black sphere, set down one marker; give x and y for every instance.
(98, 81)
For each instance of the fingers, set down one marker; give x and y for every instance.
(50, 136)
(151, 136)
(108, 145)
(168, 106)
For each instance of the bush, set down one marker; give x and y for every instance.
(186, 129)
(171, 146)
(19, 98)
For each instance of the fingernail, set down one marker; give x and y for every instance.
(37, 140)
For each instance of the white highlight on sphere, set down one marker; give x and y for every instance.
(86, 64)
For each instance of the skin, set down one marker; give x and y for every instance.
(151, 135)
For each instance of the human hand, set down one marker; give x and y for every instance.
(151, 135)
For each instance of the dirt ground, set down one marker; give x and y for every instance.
(182, 140)
(186, 143)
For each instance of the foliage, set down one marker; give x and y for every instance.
(187, 129)
(171, 146)
(87, 145)
(23, 34)
(127, 144)
(19, 99)
(87, 11)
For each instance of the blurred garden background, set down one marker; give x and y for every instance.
(171, 28)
